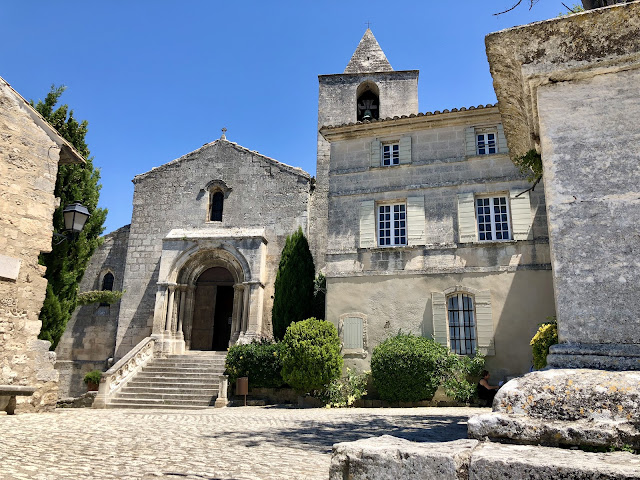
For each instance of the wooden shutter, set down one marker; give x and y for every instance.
(439, 311)
(405, 150)
(520, 215)
(470, 141)
(367, 224)
(375, 153)
(484, 323)
(502, 140)
(415, 221)
(352, 333)
(466, 218)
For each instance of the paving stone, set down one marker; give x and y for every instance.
(244, 443)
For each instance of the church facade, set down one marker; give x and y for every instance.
(420, 222)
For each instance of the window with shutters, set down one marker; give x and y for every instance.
(392, 224)
(352, 329)
(492, 217)
(390, 154)
(462, 324)
(486, 143)
(485, 140)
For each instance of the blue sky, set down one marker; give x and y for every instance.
(158, 79)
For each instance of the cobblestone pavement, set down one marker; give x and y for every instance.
(264, 443)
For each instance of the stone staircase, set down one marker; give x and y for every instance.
(187, 381)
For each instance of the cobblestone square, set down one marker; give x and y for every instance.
(265, 443)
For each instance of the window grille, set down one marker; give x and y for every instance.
(392, 224)
(493, 219)
(462, 325)
(390, 154)
(486, 143)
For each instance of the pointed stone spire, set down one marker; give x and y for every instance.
(368, 57)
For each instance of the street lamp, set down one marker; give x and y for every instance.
(75, 216)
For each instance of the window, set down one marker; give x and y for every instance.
(492, 216)
(486, 143)
(107, 284)
(392, 224)
(390, 154)
(217, 202)
(462, 325)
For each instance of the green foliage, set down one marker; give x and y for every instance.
(261, 361)
(530, 164)
(93, 376)
(319, 296)
(293, 298)
(99, 296)
(68, 260)
(311, 355)
(408, 368)
(343, 392)
(546, 336)
(575, 8)
(459, 379)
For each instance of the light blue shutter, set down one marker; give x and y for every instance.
(367, 224)
(375, 153)
(352, 333)
(466, 218)
(484, 323)
(470, 141)
(502, 140)
(520, 204)
(439, 312)
(415, 221)
(405, 150)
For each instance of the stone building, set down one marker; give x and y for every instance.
(30, 152)
(420, 221)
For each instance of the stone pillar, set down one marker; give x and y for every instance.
(222, 400)
(569, 88)
(183, 301)
(188, 315)
(170, 308)
(160, 310)
(245, 307)
(238, 299)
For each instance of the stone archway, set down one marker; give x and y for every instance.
(212, 310)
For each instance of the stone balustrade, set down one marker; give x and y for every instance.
(124, 370)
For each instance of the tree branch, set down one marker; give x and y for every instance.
(532, 187)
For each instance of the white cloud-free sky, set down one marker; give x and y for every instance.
(158, 79)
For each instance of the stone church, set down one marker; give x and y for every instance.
(420, 222)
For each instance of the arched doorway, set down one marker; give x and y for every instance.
(212, 310)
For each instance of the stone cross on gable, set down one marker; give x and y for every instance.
(368, 24)
(224, 136)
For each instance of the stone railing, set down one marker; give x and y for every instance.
(124, 370)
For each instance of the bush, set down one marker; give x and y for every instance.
(293, 297)
(259, 360)
(99, 296)
(93, 376)
(460, 376)
(343, 392)
(546, 336)
(408, 368)
(311, 355)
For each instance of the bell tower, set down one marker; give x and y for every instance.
(369, 89)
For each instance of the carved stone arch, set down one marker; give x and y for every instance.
(218, 192)
(103, 273)
(460, 289)
(190, 265)
(218, 186)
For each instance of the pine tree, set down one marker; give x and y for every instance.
(68, 260)
(293, 298)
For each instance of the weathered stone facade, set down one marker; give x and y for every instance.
(89, 339)
(30, 151)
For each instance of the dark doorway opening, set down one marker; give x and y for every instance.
(213, 310)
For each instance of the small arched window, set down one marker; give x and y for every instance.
(217, 202)
(368, 102)
(107, 284)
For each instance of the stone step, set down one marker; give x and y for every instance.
(176, 383)
(155, 405)
(162, 389)
(151, 369)
(188, 398)
(185, 378)
(185, 364)
(161, 401)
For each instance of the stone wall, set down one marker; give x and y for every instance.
(89, 339)
(263, 194)
(28, 168)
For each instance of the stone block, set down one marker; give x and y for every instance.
(9, 267)
(392, 458)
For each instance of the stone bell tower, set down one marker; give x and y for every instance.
(369, 89)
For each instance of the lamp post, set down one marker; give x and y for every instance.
(75, 216)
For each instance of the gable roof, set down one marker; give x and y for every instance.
(68, 153)
(235, 146)
(368, 57)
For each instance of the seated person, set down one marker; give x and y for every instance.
(486, 391)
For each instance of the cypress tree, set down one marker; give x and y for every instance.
(68, 260)
(293, 298)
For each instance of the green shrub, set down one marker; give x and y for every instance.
(546, 336)
(99, 296)
(460, 376)
(343, 392)
(293, 297)
(311, 355)
(408, 368)
(93, 376)
(259, 360)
